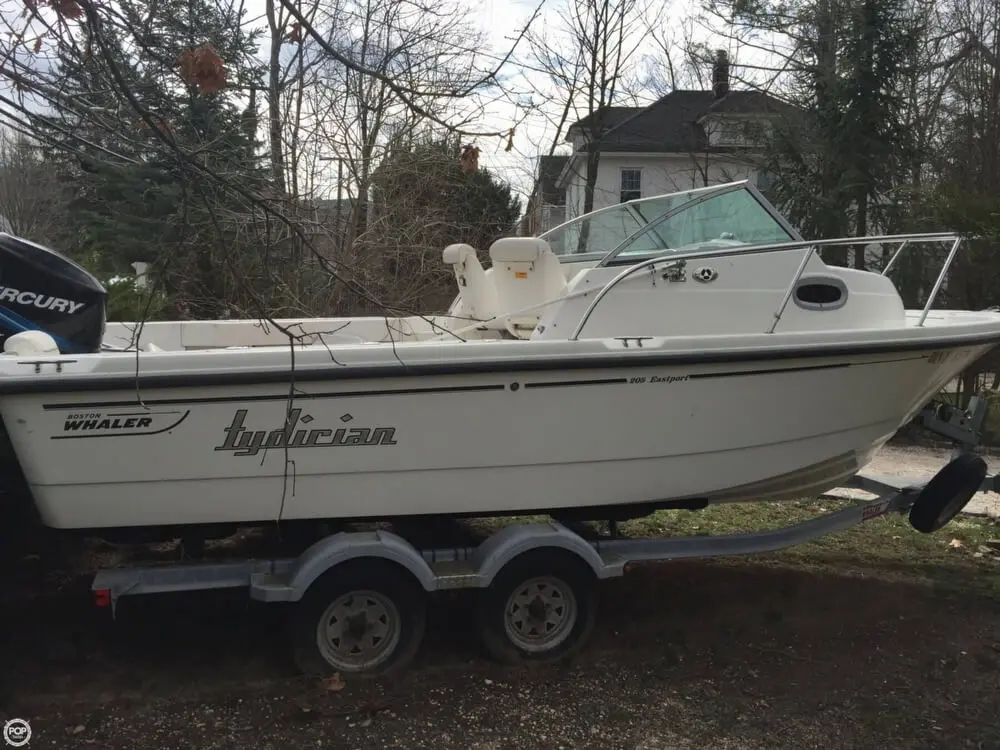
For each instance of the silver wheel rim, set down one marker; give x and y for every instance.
(358, 630)
(540, 614)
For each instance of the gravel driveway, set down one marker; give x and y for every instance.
(922, 463)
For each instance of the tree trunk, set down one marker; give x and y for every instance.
(589, 186)
(274, 101)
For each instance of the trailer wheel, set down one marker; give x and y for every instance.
(950, 490)
(362, 618)
(539, 608)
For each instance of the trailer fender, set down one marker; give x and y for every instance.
(499, 549)
(339, 548)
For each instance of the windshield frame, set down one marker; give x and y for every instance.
(710, 193)
(634, 209)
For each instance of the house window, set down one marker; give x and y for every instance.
(631, 187)
(731, 134)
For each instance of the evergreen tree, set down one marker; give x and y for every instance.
(835, 167)
(149, 199)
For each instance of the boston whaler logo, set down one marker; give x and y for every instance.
(244, 442)
(41, 301)
(119, 423)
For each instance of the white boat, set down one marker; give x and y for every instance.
(670, 352)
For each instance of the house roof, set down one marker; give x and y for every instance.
(750, 103)
(610, 117)
(673, 122)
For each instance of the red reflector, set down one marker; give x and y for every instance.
(102, 597)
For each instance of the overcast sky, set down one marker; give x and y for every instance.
(503, 20)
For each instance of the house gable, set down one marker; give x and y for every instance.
(685, 139)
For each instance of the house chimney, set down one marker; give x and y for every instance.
(720, 74)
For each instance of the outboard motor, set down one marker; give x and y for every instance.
(41, 290)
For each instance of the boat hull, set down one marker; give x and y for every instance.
(466, 444)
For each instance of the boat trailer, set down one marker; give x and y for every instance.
(358, 599)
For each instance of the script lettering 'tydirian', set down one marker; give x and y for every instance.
(244, 442)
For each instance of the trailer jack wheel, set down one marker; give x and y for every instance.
(539, 608)
(362, 618)
(950, 490)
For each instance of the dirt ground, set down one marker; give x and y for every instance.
(922, 463)
(748, 654)
(826, 649)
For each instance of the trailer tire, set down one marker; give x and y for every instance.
(950, 490)
(380, 600)
(563, 590)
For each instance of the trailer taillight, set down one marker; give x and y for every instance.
(102, 597)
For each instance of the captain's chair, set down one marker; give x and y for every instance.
(525, 272)
(478, 298)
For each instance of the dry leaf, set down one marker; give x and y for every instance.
(470, 159)
(202, 67)
(38, 45)
(67, 8)
(295, 35)
(334, 683)
(510, 140)
(956, 543)
(161, 123)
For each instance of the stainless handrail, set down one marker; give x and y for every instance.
(939, 281)
(895, 255)
(791, 288)
(673, 257)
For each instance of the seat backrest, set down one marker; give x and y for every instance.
(525, 272)
(478, 298)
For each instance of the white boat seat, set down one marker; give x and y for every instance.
(526, 273)
(477, 295)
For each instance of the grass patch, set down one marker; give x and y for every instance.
(963, 556)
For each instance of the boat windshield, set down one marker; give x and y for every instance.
(605, 229)
(730, 214)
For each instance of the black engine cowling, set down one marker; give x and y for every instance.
(41, 290)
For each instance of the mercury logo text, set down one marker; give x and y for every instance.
(41, 301)
(244, 442)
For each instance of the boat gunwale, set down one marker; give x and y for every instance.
(631, 358)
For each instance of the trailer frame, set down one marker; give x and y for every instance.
(548, 566)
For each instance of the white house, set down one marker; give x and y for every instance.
(684, 140)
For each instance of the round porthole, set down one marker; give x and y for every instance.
(826, 293)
